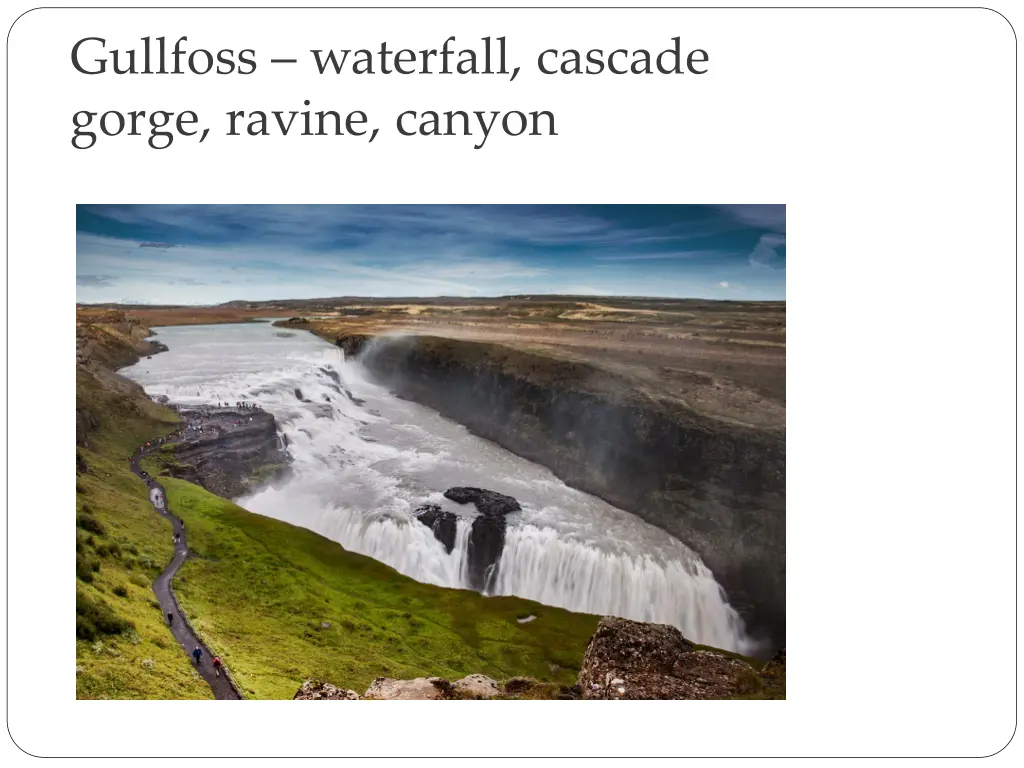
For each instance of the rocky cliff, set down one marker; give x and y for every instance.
(635, 660)
(227, 451)
(112, 340)
(717, 485)
(105, 342)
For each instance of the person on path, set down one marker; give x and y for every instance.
(197, 654)
(216, 665)
(170, 619)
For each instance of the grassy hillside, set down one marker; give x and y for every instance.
(121, 546)
(279, 603)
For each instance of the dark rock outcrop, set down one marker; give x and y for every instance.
(487, 502)
(717, 485)
(331, 374)
(442, 523)
(80, 464)
(353, 343)
(235, 452)
(486, 540)
(633, 660)
(487, 535)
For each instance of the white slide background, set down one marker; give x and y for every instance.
(890, 135)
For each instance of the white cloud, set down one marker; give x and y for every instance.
(210, 274)
(724, 284)
(766, 252)
(661, 256)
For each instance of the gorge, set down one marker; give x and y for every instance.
(716, 485)
(365, 464)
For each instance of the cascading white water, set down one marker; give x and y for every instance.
(364, 460)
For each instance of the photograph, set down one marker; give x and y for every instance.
(430, 452)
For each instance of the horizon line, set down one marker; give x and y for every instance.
(526, 296)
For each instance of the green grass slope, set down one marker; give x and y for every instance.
(123, 647)
(280, 604)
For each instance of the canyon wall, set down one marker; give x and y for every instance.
(717, 486)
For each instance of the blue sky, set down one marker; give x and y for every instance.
(207, 254)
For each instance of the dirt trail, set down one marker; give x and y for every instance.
(221, 685)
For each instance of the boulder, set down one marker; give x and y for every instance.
(315, 690)
(442, 523)
(420, 688)
(476, 687)
(634, 660)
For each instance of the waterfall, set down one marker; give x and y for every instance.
(363, 461)
(541, 565)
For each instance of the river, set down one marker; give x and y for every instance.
(364, 460)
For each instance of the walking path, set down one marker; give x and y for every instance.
(220, 684)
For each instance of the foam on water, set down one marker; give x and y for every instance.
(363, 460)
